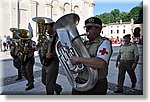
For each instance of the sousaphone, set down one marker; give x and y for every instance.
(14, 33)
(42, 22)
(66, 26)
(24, 34)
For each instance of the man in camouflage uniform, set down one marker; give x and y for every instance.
(50, 62)
(128, 59)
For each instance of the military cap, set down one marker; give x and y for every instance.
(127, 35)
(93, 20)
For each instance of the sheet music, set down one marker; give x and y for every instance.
(64, 37)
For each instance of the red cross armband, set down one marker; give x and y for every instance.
(104, 50)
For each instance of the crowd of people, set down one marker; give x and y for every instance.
(98, 47)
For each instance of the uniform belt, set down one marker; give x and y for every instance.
(127, 60)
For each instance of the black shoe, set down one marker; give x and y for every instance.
(27, 84)
(58, 89)
(118, 91)
(133, 86)
(30, 86)
(30, 83)
(19, 78)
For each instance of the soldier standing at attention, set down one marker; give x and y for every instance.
(128, 59)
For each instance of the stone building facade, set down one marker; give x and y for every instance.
(19, 13)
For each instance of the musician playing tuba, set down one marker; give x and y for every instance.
(100, 50)
(27, 47)
(48, 55)
(14, 46)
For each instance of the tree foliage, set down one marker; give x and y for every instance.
(116, 15)
(134, 13)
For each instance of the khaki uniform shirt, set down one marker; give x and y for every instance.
(128, 52)
(94, 49)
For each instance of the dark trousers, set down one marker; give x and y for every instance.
(99, 89)
(49, 76)
(19, 73)
(27, 70)
(126, 66)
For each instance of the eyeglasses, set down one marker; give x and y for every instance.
(90, 27)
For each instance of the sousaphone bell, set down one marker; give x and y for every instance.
(24, 34)
(14, 33)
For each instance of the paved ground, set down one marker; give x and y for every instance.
(11, 87)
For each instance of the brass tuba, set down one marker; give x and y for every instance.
(14, 34)
(24, 34)
(41, 22)
(67, 24)
(24, 37)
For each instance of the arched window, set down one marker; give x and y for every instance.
(55, 9)
(66, 8)
(76, 9)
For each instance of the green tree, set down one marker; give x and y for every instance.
(116, 14)
(125, 17)
(134, 13)
(140, 17)
(106, 18)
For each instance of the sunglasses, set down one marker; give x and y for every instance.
(90, 26)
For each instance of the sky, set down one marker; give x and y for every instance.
(102, 6)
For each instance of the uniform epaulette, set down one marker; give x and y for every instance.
(133, 43)
(104, 38)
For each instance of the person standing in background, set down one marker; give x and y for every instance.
(5, 43)
(127, 61)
